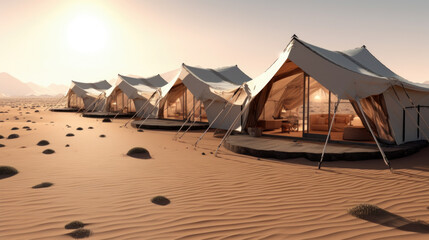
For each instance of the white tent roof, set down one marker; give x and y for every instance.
(350, 74)
(82, 89)
(208, 84)
(138, 87)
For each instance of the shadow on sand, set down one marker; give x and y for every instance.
(380, 216)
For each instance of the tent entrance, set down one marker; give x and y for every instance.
(179, 103)
(120, 103)
(74, 101)
(299, 106)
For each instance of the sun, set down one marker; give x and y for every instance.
(87, 34)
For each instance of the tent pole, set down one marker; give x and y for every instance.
(62, 98)
(409, 114)
(231, 128)
(192, 124)
(230, 108)
(95, 100)
(84, 111)
(211, 124)
(187, 119)
(151, 111)
(100, 101)
(386, 161)
(140, 109)
(189, 125)
(329, 132)
(117, 113)
(96, 105)
(417, 109)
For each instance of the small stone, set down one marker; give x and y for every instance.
(42, 143)
(74, 225)
(13, 136)
(43, 185)
(48, 151)
(80, 233)
(160, 200)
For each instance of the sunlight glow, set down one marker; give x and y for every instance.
(87, 34)
(317, 97)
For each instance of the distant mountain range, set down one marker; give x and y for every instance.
(13, 87)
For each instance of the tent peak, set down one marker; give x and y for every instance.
(363, 46)
(294, 36)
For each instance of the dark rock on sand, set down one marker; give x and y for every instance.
(7, 171)
(48, 151)
(13, 136)
(80, 233)
(160, 200)
(74, 225)
(42, 143)
(139, 152)
(43, 185)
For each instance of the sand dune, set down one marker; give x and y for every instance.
(231, 197)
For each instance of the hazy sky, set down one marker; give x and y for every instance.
(54, 41)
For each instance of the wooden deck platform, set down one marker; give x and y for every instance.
(167, 124)
(107, 115)
(269, 147)
(64, 109)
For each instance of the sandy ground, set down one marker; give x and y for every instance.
(226, 197)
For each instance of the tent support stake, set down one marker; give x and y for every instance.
(62, 98)
(386, 161)
(140, 109)
(329, 132)
(211, 124)
(86, 110)
(230, 108)
(158, 101)
(187, 120)
(232, 126)
(192, 124)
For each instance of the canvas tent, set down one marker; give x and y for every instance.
(199, 94)
(140, 95)
(87, 96)
(219, 90)
(355, 77)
